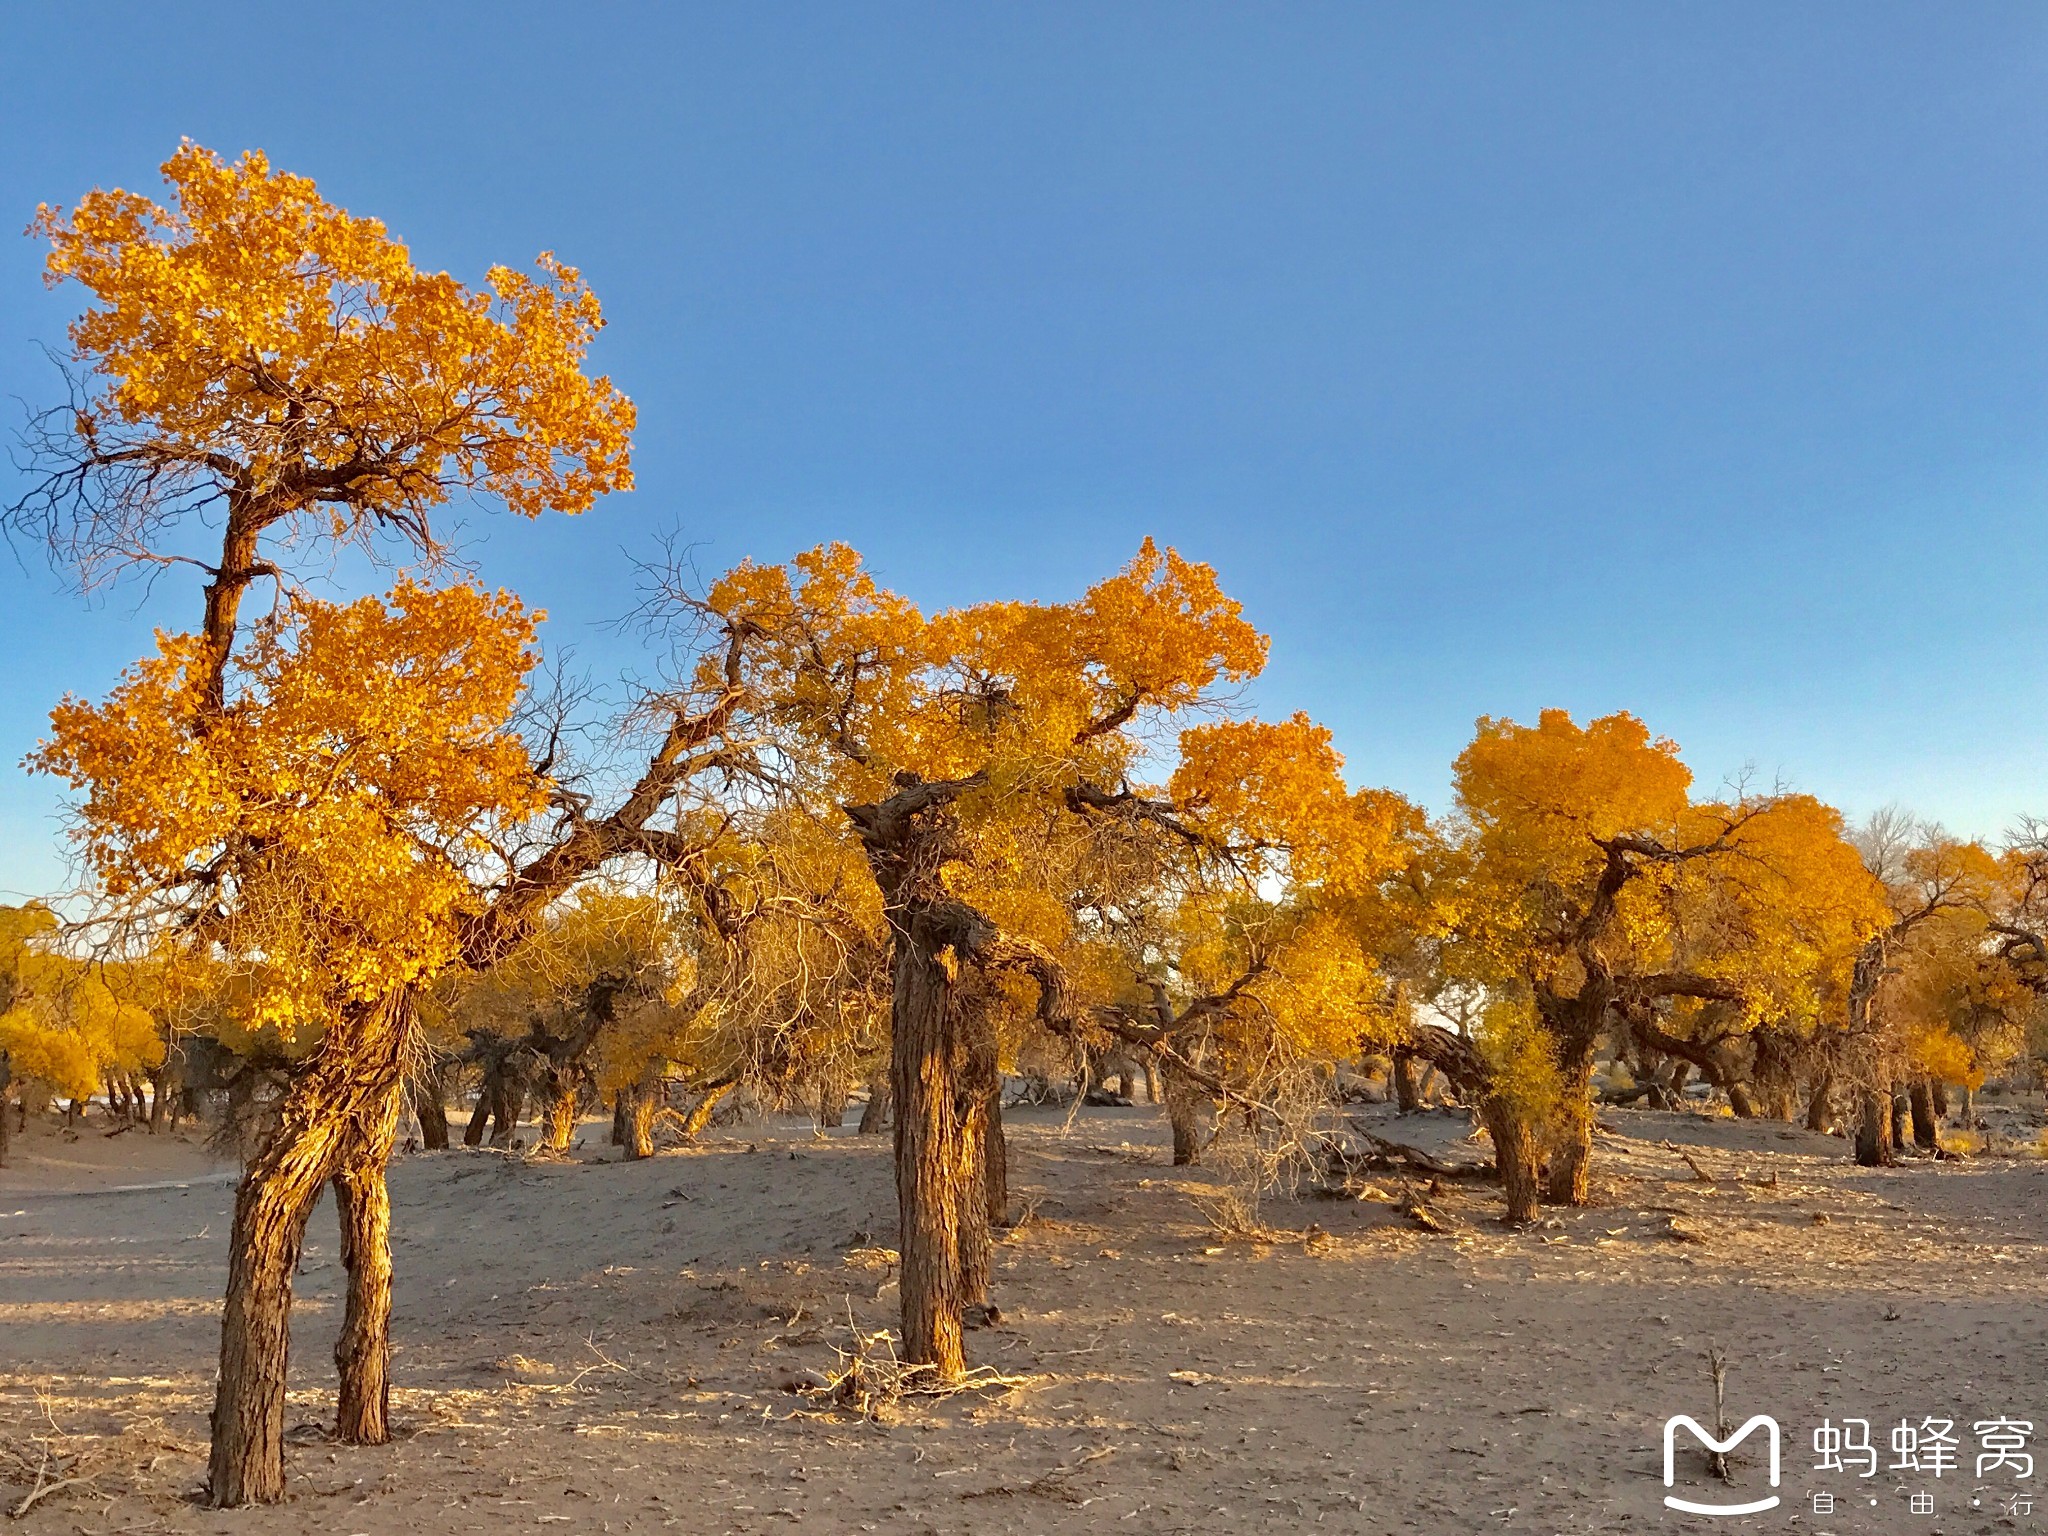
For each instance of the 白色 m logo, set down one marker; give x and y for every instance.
(1770, 1427)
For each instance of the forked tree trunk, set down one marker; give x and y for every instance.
(874, 1116)
(349, 1080)
(706, 1106)
(1514, 1155)
(362, 1353)
(1571, 1162)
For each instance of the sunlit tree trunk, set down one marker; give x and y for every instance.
(362, 1353)
(561, 1116)
(1515, 1156)
(935, 1165)
(641, 1101)
(1571, 1162)
(349, 1080)
(982, 1138)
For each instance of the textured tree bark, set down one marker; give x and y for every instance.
(934, 1161)
(351, 1078)
(430, 1107)
(1571, 1162)
(1188, 1112)
(1407, 1076)
(6, 1109)
(362, 1353)
(1874, 1146)
(641, 1102)
(1514, 1156)
(561, 1121)
(874, 1115)
(1926, 1124)
(508, 1103)
(982, 1135)
(479, 1114)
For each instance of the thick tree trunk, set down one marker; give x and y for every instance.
(1937, 1090)
(561, 1122)
(1188, 1112)
(1926, 1125)
(1818, 1112)
(430, 1107)
(1874, 1126)
(640, 1104)
(1740, 1101)
(6, 1109)
(1571, 1162)
(1407, 1074)
(349, 1080)
(622, 1116)
(1514, 1155)
(362, 1353)
(935, 1163)
(874, 1116)
(508, 1103)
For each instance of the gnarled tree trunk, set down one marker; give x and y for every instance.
(640, 1104)
(1407, 1075)
(348, 1081)
(561, 1119)
(362, 1352)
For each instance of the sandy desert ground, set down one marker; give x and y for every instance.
(610, 1346)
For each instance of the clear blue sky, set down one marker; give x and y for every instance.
(1687, 359)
